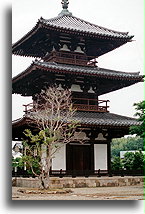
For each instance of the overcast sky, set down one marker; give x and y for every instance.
(120, 15)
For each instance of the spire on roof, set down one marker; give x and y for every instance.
(65, 10)
(65, 4)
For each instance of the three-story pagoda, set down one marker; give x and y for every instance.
(67, 48)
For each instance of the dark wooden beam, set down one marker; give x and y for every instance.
(108, 156)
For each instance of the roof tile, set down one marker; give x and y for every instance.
(70, 22)
(88, 70)
(95, 118)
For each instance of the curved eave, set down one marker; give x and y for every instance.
(23, 74)
(34, 78)
(89, 119)
(16, 47)
(25, 38)
(56, 69)
(105, 119)
(118, 125)
(21, 121)
(87, 33)
(99, 74)
(107, 125)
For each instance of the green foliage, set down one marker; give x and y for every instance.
(17, 162)
(28, 162)
(128, 161)
(116, 164)
(34, 139)
(31, 163)
(140, 113)
(138, 162)
(43, 137)
(131, 161)
(32, 143)
(126, 144)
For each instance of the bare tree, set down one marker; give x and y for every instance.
(53, 114)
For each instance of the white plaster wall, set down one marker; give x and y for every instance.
(100, 156)
(100, 137)
(59, 161)
(76, 88)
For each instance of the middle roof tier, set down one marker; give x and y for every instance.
(41, 74)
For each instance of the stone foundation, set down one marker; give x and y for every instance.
(68, 182)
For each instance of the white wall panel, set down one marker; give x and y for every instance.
(100, 156)
(59, 161)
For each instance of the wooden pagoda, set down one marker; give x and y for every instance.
(66, 49)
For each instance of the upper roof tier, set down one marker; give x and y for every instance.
(51, 33)
(70, 22)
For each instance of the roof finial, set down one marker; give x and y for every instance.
(65, 4)
(65, 8)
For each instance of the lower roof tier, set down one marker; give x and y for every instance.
(119, 125)
(104, 119)
(42, 74)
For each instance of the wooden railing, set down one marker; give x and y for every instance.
(71, 58)
(86, 173)
(81, 104)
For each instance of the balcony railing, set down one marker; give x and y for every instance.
(71, 58)
(81, 104)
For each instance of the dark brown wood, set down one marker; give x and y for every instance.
(92, 157)
(70, 58)
(63, 173)
(38, 77)
(109, 157)
(79, 158)
(81, 104)
(40, 40)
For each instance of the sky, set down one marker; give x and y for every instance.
(120, 15)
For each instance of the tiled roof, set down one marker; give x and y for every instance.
(95, 119)
(69, 22)
(88, 70)
(104, 119)
(81, 70)
(36, 42)
(114, 80)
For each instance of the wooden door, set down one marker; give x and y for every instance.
(79, 158)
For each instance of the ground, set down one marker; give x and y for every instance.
(97, 193)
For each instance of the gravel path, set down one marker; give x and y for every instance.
(98, 193)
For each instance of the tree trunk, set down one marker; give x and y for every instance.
(44, 181)
(45, 177)
(45, 161)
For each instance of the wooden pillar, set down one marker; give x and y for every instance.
(109, 156)
(92, 158)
